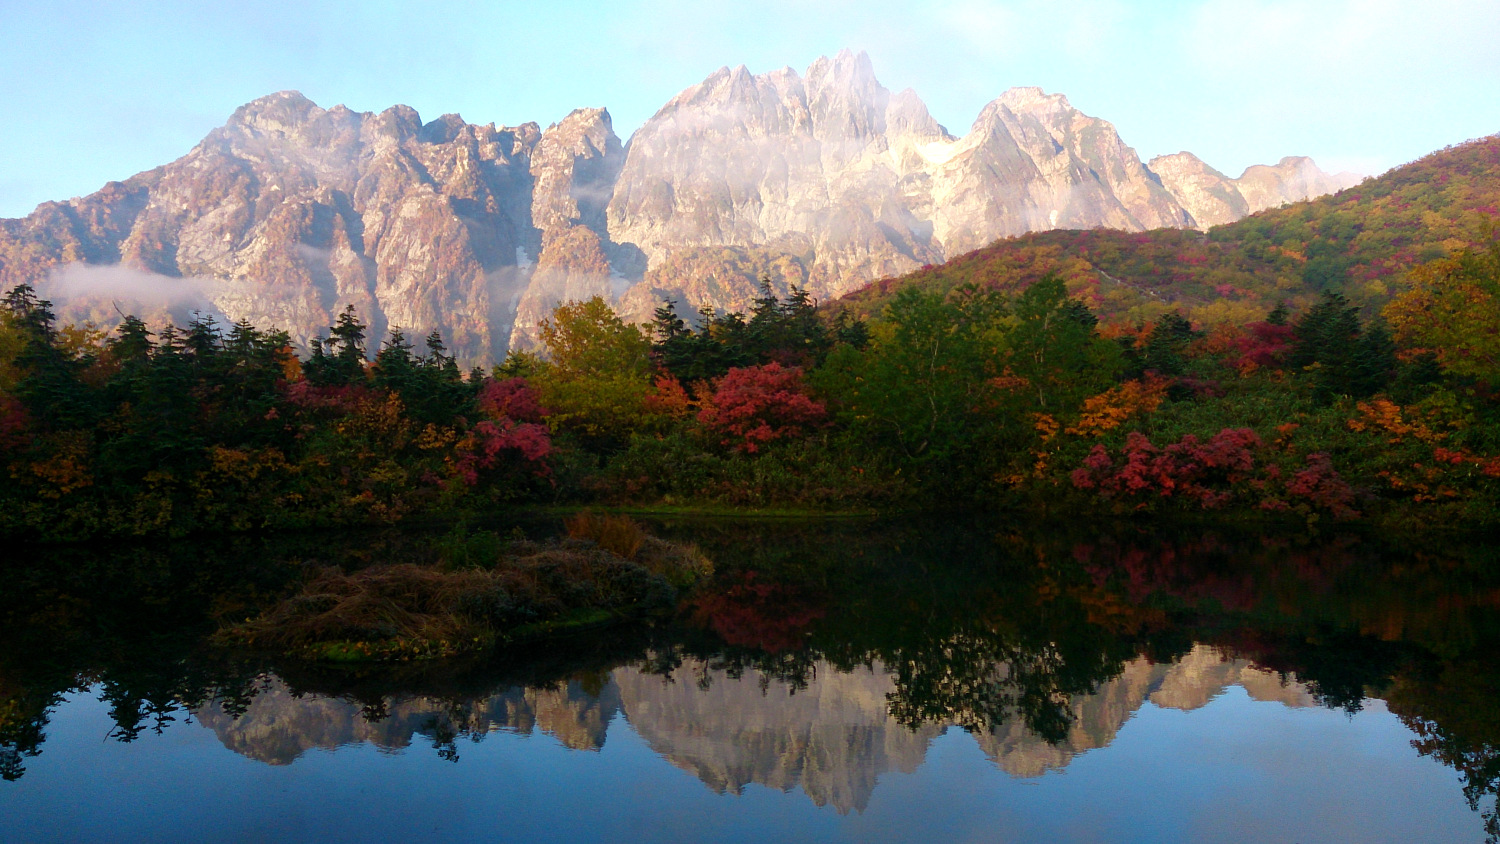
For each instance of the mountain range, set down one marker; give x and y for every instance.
(290, 212)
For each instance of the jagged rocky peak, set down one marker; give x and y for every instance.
(1034, 100)
(797, 165)
(1215, 199)
(1040, 163)
(1211, 197)
(278, 113)
(289, 212)
(846, 102)
(442, 130)
(574, 168)
(907, 115)
(824, 179)
(575, 165)
(1292, 179)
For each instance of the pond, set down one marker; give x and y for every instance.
(842, 681)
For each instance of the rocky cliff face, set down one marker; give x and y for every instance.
(418, 226)
(574, 166)
(1213, 199)
(290, 212)
(833, 171)
(1292, 179)
(1210, 197)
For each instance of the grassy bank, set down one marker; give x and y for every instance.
(482, 592)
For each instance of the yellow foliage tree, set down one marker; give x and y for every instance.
(1452, 309)
(598, 372)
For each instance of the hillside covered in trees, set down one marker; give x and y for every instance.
(1337, 359)
(1359, 242)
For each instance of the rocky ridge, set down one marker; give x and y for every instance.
(290, 212)
(1213, 199)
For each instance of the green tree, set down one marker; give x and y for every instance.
(1055, 347)
(917, 391)
(597, 374)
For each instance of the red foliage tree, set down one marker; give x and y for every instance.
(1266, 345)
(510, 398)
(493, 444)
(757, 405)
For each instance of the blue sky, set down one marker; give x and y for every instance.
(99, 91)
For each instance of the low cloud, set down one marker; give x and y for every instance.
(105, 293)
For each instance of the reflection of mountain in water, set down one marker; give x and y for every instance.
(1189, 683)
(835, 737)
(832, 738)
(280, 726)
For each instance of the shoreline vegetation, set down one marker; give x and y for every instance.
(482, 592)
(970, 399)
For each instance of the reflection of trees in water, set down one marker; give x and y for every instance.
(23, 722)
(126, 617)
(971, 632)
(1453, 711)
(980, 682)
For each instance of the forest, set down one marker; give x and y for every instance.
(960, 399)
(1330, 360)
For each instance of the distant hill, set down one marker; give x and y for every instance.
(1360, 241)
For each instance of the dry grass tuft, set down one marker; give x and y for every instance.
(618, 535)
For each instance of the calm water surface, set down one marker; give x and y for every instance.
(859, 682)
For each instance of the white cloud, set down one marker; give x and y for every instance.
(130, 291)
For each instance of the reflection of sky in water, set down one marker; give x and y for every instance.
(1233, 770)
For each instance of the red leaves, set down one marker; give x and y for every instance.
(667, 397)
(513, 430)
(528, 438)
(761, 404)
(14, 423)
(307, 396)
(1211, 474)
(1322, 486)
(510, 398)
(489, 443)
(1265, 346)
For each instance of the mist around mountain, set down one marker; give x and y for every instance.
(825, 180)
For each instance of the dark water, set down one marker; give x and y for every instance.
(849, 681)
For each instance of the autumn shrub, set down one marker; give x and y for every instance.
(1232, 467)
(1264, 345)
(1108, 410)
(494, 445)
(754, 406)
(681, 564)
(510, 398)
